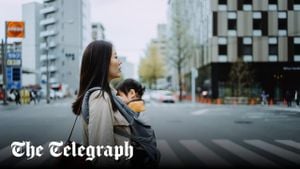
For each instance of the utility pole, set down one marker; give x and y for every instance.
(47, 73)
(4, 53)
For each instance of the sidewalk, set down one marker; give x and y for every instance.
(285, 108)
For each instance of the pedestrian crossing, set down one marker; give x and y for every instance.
(252, 152)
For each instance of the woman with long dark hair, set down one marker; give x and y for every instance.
(99, 66)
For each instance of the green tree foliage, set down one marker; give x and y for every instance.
(152, 67)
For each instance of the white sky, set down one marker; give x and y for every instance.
(129, 24)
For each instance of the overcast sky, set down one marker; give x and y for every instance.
(129, 24)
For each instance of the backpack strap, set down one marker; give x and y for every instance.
(85, 103)
(127, 113)
(121, 132)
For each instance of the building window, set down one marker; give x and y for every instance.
(247, 5)
(222, 6)
(232, 23)
(222, 49)
(282, 23)
(247, 49)
(297, 49)
(296, 5)
(222, 41)
(273, 5)
(257, 23)
(215, 24)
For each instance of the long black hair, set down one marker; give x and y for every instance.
(94, 71)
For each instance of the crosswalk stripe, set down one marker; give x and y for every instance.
(280, 152)
(289, 143)
(36, 161)
(168, 156)
(245, 154)
(203, 153)
(5, 153)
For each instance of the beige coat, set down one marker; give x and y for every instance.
(102, 120)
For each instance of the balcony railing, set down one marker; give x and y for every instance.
(47, 21)
(47, 10)
(50, 57)
(47, 33)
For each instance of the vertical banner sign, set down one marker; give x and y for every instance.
(15, 29)
(13, 70)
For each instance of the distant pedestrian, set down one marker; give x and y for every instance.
(288, 97)
(32, 96)
(18, 97)
(297, 98)
(264, 98)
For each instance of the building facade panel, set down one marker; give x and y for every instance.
(232, 49)
(282, 5)
(260, 5)
(244, 23)
(273, 22)
(293, 23)
(232, 5)
(282, 49)
(260, 49)
(222, 20)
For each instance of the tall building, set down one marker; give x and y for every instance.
(65, 33)
(264, 34)
(31, 51)
(98, 31)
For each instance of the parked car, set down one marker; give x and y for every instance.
(164, 96)
(146, 97)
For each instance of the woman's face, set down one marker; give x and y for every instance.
(114, 67)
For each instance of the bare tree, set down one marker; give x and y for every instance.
(179, 44)
(241, 77)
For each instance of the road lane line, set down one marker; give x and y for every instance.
(280, 152)
(290, 143)
(168, 156)
(204, 154)
(245, 154)
(5, 153)
(199, 112)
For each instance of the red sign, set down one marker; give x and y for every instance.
(15, 29)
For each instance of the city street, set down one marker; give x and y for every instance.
(212, 136)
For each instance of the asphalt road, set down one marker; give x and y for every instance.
(188, 135)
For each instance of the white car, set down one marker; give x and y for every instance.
(164, 96)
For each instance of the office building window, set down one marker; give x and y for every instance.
(296, 5)
(282, 23)
(222, 5)
(222, 49)
(297, 49)
(247, 5)
(215, 24)
(232, 23)
(273, 5)
(257, 23)
(247, 49)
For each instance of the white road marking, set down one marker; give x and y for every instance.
(204, 154)
(245, 154)
(280, 152)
